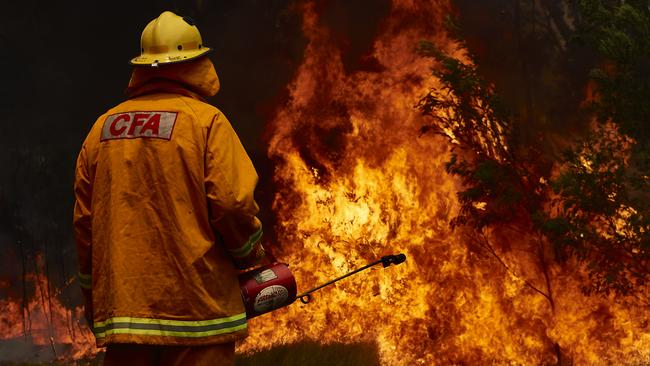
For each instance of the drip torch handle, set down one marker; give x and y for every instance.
(386, 261)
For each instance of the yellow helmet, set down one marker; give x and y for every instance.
(169, 39)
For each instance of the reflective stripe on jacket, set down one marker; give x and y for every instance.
(164, 204)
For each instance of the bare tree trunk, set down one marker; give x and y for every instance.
(71, 328)
(523, 63)
(24, 304)
(530, 116)
(51, 326)
(43, 295)
(486, 245)
(548, 294)
(544, 266)
(549, 290)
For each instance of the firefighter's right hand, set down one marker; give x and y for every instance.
(255, 257)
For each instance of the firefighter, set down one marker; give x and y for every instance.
(164, 212)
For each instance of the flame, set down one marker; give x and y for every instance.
(44, 321)
(356, 181)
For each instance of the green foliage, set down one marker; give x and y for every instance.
(499, 189)
(494, 192)
(593, 178)
(620, 32)
(595, 219)
(602, 208)
(598, 210)
(476, 106)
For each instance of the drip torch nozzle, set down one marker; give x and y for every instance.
(393, 259)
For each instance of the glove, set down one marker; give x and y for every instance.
(254, 258)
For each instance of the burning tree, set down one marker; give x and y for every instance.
(604, 208)
(597, 209)
(359, 173)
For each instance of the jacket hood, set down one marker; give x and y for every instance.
(199, 76)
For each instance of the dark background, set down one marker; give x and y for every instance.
(65, 63)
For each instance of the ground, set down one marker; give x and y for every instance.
(304, 353)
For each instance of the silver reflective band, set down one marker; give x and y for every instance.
(245, 249)
(170, 328)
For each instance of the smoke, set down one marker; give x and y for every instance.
(355, 25)
(540, 73)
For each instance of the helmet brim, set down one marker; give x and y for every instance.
(156, 59)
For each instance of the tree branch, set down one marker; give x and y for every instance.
(486, 244)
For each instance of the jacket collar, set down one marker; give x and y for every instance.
(196, 79)
(159, 85)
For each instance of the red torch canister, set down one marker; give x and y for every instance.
(267, 288)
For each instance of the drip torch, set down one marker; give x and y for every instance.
(273, 286)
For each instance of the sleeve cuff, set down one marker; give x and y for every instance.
(254, 258)
(244, 250)
(85, 281)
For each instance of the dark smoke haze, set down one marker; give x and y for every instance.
(528, 50)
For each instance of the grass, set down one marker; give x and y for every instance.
(313, 354)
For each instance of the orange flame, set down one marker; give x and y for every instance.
(356, 182)
(45, 322)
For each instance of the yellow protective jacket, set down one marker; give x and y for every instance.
(164, 212)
